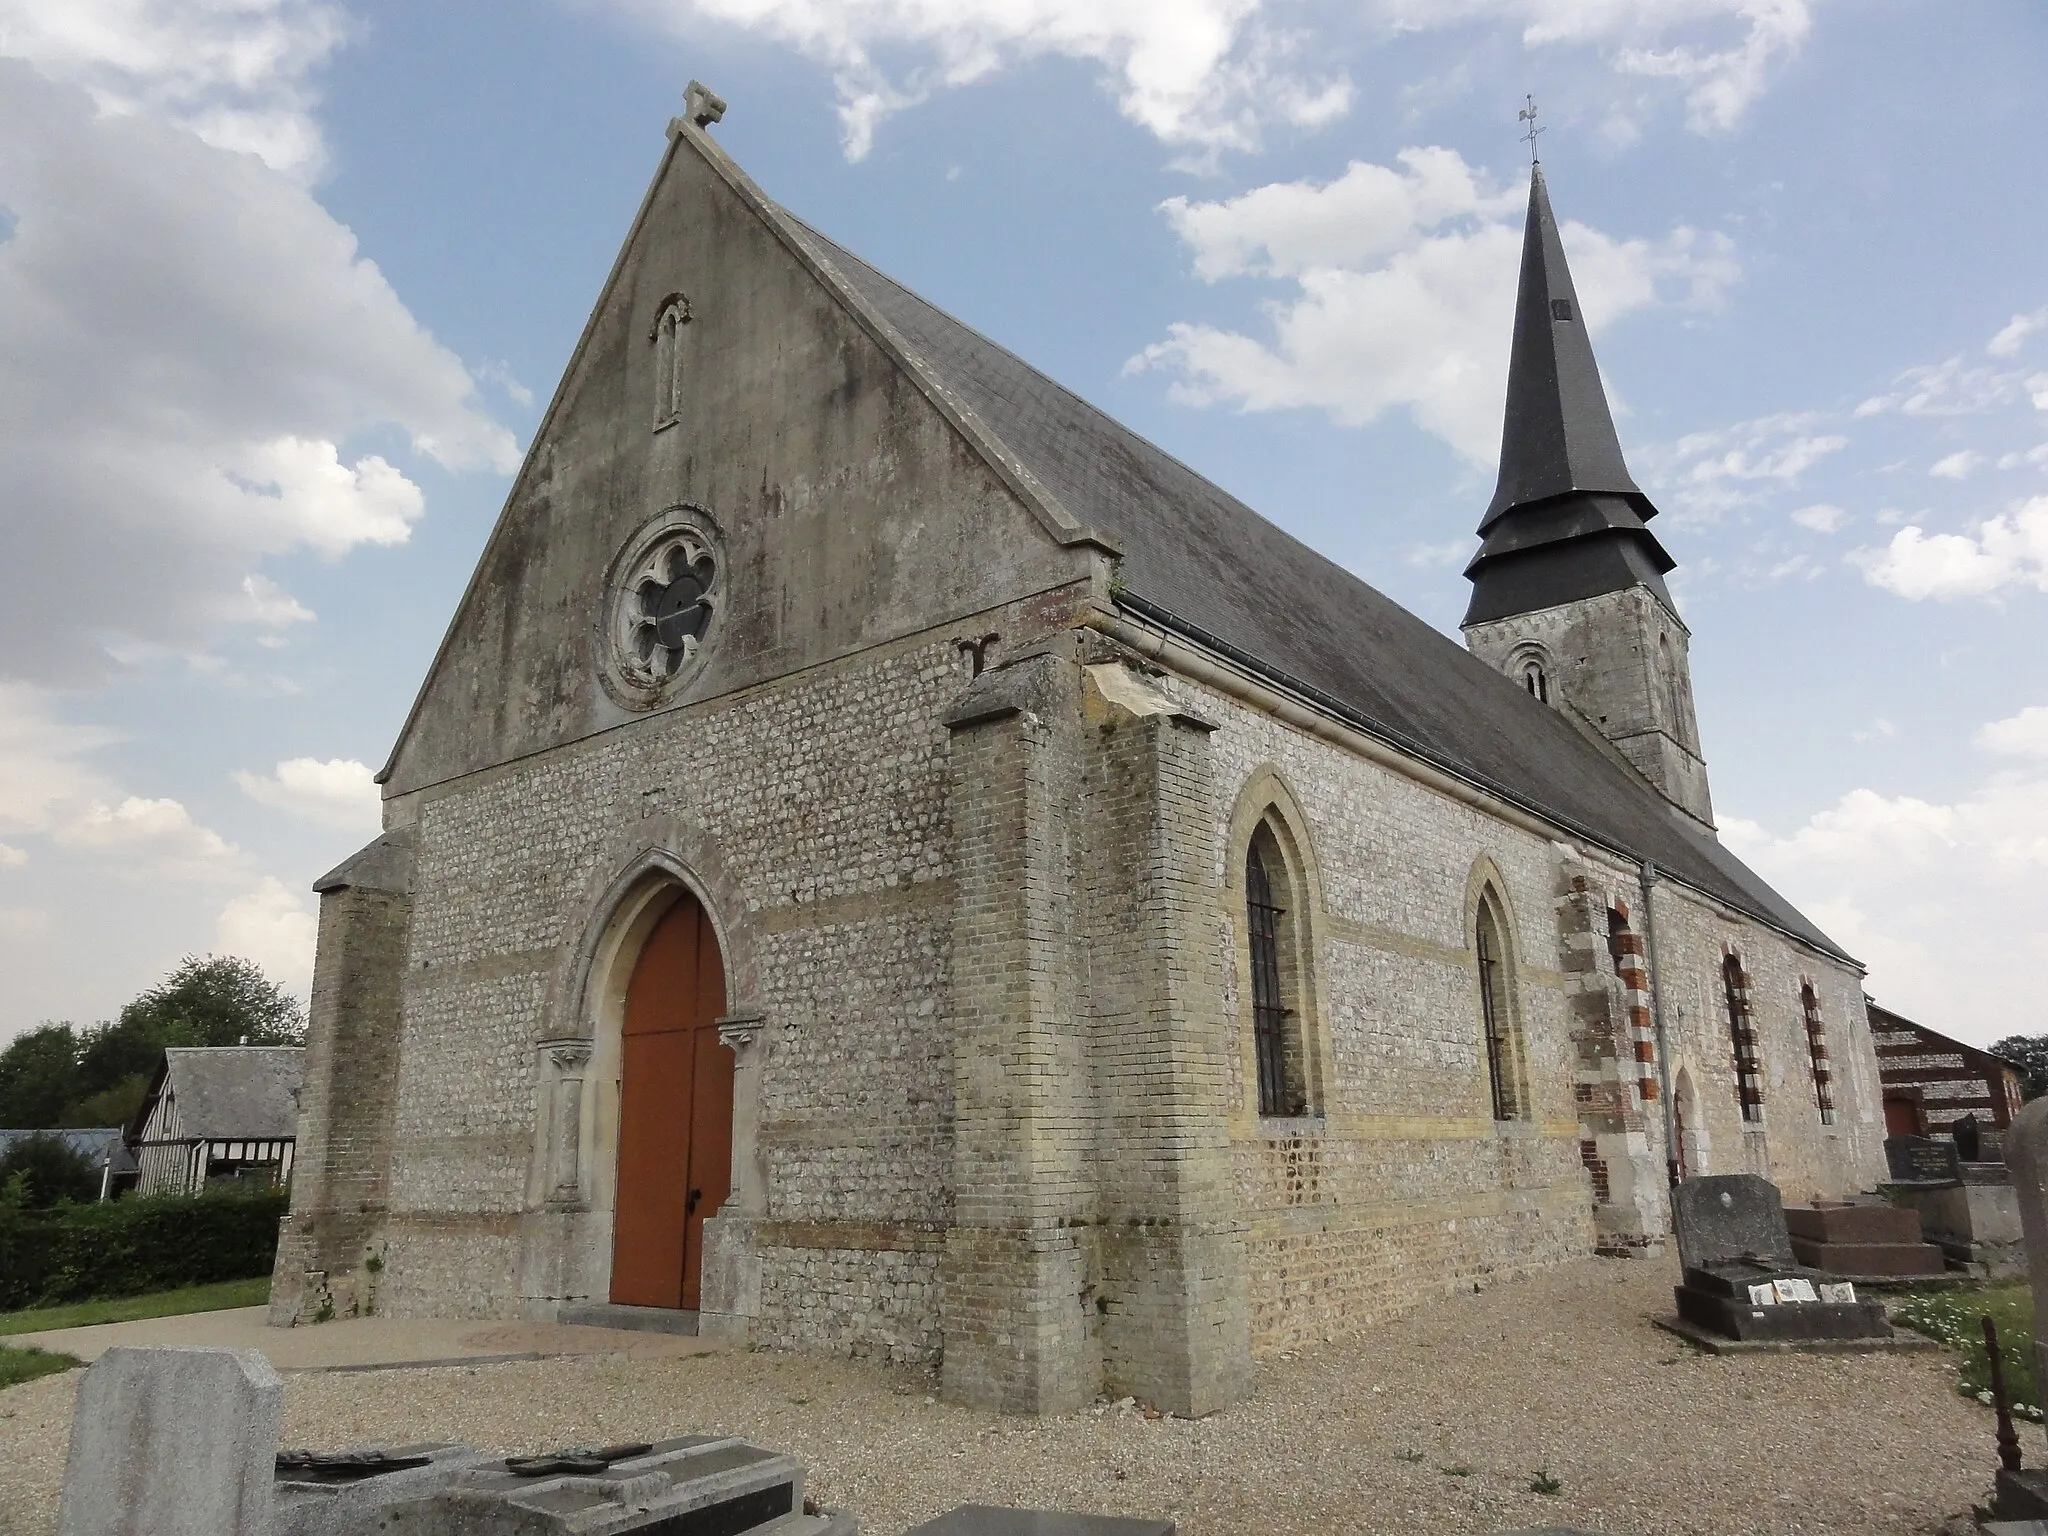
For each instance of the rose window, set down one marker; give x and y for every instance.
(664, 600)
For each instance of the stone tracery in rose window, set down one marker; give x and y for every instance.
(665, 606)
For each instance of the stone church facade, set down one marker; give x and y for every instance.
(891, 863)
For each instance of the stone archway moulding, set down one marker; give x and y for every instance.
(571, 1188)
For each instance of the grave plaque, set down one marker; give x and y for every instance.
(1922, 1160)
(1730, 1216)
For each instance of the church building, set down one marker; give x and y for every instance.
(888, 862)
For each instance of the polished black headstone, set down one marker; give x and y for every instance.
(1922, 1160)
(1730, 1216)
(990, 1520)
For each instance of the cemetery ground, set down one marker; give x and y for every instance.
(1450, 1419)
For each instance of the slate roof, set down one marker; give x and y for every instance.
(1201, 562)
(96, 1145)
(236, 1092)
(1566, 520)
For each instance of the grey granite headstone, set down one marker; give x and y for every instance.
(173, 1442)
(2026, 1153)
(1922, 1160)
(991, 1520)
(1728, 1215)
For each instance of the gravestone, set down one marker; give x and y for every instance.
(173, 1442)
(1741, 1278)
(1730, 1216)
(1922, 1160)
(1968, 1135)
(1869, 1241)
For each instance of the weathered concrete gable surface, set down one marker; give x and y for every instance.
(852, 510)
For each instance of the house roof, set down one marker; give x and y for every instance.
(96, 1144)
(235, 1092)
(1199, 561)
(1883, 1018)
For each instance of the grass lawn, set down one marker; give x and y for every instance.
(19, 1365)
(125, 1309)
(1956, 1318)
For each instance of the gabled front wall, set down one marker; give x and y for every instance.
(852, 512)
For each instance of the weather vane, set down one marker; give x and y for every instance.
(1528, 115)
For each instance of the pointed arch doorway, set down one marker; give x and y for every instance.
(675, 1112)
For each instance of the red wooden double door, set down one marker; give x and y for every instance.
(675, 1113)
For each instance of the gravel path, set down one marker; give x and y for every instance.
(1561, 1372)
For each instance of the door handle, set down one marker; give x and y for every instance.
(690, 1205)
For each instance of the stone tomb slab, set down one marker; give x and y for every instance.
(1900, 1340)
(173, 1442)
(993, 1520)
(1865, 1241)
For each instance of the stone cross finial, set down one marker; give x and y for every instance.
(702, 105)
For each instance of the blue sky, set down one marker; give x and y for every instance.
(284, 285)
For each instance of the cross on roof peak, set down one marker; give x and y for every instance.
(1528, 115)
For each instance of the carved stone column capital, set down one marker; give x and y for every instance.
(740, 1031)
(568, 1055)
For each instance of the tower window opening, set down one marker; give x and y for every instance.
(1536, 681)
(1560, 309)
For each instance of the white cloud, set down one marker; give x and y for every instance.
(1904, 885)
(155, 839)
(236, 72)
(1957, 465)
(1952, 388)
(169, 441)
(2006, 551)
(45, 766)
(1206, 74)
(2022, 735)
(1820, 517)
(1212, 75)
(271, 606)
(2014, 333)
(12, 857)
(276, 928)
(337, 793)
(1404, 296)
(1722, 53)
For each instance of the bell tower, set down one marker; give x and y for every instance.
(1568, 594)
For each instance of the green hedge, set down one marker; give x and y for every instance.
(133, 1246)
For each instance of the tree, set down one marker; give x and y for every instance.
(38, 1077)
(48, 1170)
(58, 1075)
(2030, 1054)
(220, 1000)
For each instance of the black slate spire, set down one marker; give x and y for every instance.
(1566, 520)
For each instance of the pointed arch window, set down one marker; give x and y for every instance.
(1276, 1019)
(667, 337)
(1497, 1013)
(1817, 1053)
(1749, 1072)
